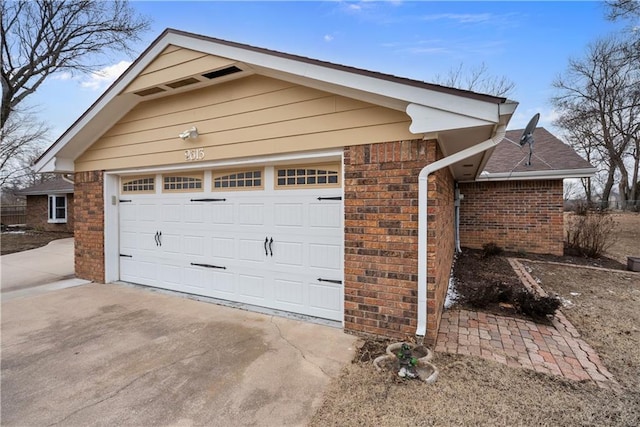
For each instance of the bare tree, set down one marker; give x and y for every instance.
(43, 37)
(623, 9)
(599, 103)
(23, 138)
(476, 79)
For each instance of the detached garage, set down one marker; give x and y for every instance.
(252, 176)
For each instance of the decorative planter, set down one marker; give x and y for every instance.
(633, 263)
(426, 370)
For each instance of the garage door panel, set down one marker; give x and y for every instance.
(221, 284)
(223, 247)
(288, 215)
(194, 245)
(325, 216)
(252, 250)
(172, 212)
(307, 244)
(288, 253)
(289, 292)
(146, 241)
(194, 279)
(171, 276)
(251, 214)
(171, 243)
(325, 256)
(193, 214)
(326, 300)
(148, 212)
(252, 286)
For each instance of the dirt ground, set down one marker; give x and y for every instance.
(22, 240)
(472, 391)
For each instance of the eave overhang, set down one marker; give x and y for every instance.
(434, 111)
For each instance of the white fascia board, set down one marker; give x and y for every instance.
(536, 175)
(443, 101)
(425, 119)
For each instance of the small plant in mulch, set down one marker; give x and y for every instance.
(491, 249)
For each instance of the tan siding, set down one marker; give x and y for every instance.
(251, 116)
(175, 65)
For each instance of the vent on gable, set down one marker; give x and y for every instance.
(182, 83)
(150, 91)
(223, 72)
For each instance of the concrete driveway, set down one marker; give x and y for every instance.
(48, 264)
(117, 355)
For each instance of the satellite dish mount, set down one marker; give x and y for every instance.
(527, 135)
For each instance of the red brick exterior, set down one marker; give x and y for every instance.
(38, 214)
(516, 215)
(89, 226)
(381, 237)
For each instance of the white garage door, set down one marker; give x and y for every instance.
(275, 248)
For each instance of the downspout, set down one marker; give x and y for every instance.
(423, 179)
(456, 202)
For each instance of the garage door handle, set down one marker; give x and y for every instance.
(271, 243)
(266, 242)
(156, 239)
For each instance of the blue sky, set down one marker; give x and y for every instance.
(529, 42)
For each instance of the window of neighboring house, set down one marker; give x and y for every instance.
(58, 209)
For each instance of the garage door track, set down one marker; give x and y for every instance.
(117, 355)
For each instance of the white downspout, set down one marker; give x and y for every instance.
(423, 179)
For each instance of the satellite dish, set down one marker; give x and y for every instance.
(527, 135)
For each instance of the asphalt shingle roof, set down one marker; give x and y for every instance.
(549, 153)
(55, 186)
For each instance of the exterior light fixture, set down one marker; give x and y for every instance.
(189, 134)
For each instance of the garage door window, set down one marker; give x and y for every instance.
(308, 176)
(238, 180)
(182, 182)
(138, 184)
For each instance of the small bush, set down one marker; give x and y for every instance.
(535, 306)
(590, 234)
(491, 249)
(482, 296)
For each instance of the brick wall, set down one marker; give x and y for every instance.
(89, 226)
(38, 214)
(516, 215)
(381, 236)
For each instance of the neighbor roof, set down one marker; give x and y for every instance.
(433, 109)
(58, 185)
(550, 158)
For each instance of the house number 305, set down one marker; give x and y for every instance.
(194, 154)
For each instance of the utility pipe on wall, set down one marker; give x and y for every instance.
(423, 179)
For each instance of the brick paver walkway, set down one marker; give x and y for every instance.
(554, 349)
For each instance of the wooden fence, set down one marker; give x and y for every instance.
(13, 214)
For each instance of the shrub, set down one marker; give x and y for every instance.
(491, 249)
(590, 234)
(482, 295)
(535, 306)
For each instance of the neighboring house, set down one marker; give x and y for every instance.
(50, 205)
(516, 205)
(278, 181)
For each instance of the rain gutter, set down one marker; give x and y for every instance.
(423, 179)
